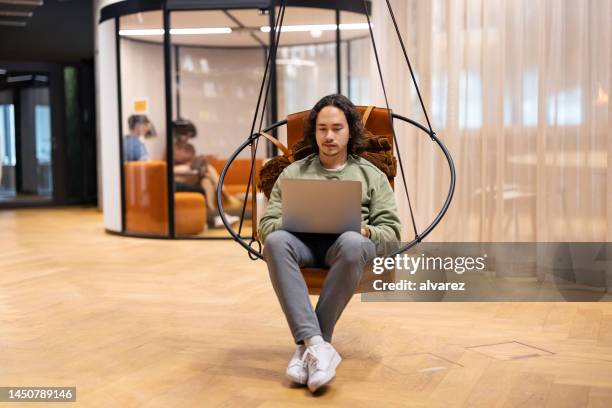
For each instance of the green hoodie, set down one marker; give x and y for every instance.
(378, 208)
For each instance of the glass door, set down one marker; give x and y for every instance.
(7, 146)
(25, 138)
(35, 143)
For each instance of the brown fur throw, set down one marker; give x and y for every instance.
(384, 161)
(270, 172)
(377, 151)
(376, 143)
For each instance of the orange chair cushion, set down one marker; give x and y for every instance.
(315, 277)
(378, 123)
(146, 202)
(189, 212)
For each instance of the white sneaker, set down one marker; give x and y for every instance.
(322, 360)
(231, 219)
(296, 370)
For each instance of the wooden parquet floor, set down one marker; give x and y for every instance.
(155, 323)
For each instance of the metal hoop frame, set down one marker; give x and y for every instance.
(253, 254)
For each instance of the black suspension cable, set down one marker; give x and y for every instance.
(399, 157)
(261, 88)
(399, 36)
(263, 81)
(271, 58)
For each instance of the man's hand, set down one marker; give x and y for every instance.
(365, 231)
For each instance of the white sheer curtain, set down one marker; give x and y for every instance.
(519, 92)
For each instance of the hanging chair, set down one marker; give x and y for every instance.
(379, 121)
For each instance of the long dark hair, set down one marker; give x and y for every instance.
(353, 118)
(183, 127)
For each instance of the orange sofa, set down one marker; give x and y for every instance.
(237, 176)
(146, 202)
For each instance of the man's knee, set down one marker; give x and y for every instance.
(276, 241)
(352, 240)
(353, 247)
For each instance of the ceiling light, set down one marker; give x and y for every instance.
(19, 78)
(355, 26)
(8, 13)
(151, 31)
(198, 31)
(176, 31)
(12, 23)
(23, 2)
(302, 28)
(296, 61)
(317, 27)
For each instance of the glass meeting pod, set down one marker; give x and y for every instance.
(179, 82)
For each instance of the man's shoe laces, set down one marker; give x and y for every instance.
(309, 358)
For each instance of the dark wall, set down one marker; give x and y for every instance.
(59, 31)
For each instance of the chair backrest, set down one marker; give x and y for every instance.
(378, 122)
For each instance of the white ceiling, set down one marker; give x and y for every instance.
(16, 13)
(251, 20)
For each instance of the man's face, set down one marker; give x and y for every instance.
(141, 129)
(332, 132)
(183, 137)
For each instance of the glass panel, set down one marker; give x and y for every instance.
(217, 81)
(306, 60)
(34, 157)
(8, 158)
(344, 68)
(355, 34)
(360, 71)
(306, 73)
(42, 115)
(143, 120)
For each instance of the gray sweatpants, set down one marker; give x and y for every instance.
(345, 255)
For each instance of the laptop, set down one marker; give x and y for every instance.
(321, 206)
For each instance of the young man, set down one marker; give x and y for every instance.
(134, 148)
(335, 131)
